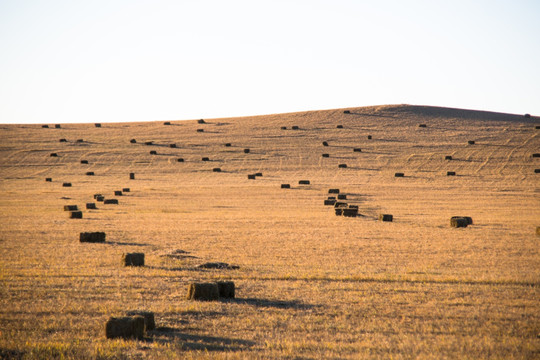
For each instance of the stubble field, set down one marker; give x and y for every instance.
(310, 284)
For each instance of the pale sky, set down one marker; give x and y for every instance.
(128, 60)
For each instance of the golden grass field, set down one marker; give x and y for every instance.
(311, 284)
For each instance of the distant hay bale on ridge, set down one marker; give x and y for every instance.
(386, 217)
(458, 222)
(333, 191)
(450, 173)
(304, 182)
(75, 215)
(448, 157)
(91, 206)
(285, 186)
(92, 237)
(70, 208)
(111, 201)
(133, 259)
(399, 174)
(342, 166)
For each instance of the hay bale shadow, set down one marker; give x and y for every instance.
(267, 303)
(191, 342)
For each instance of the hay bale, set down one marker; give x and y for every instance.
(386, 217)
(153, 152)
(203, 291)
(346, 111)
(205, 159)
(173, 146)
(70, 208)
(259, 174)
(100, 198)
(226, 289)
(66, 184)
(450, 173)
(353, 206)
(111, 201)
(283, 128)
(167, 123)
(79, 140)
(342, 197)
(148, 143)
(458, 222)
(398, 174)
(117, 193)
(201, 121)
(129, 327)
(149, 319)
(357, 150)
(180, 160)
(471, 142)
(338, 211)
(285, 186)
(325, 143)
(97, 125)
(350, 212)
(325, 155)
(342, 166)
(340, 204)
(246, 151)
(228, 145)
(251, 177)
(63, 140)
(75, 214)
(48, 179)
(133, 141)
(467, 218)
(295, 127)
(84, 161)
(53, 155)
(92, 237)
(329, 202)
(96, 196)
(126, 189)
(537, 127)
(132, 176)
(304, 182)
(200, 130)
(216, 169)
(90, 173)
(448, 157)
(333, 191)
(91, 206)
(331, 198)
(339, 127)
(537, 171)
(422, 125)
(45, 126)
(527, 116)
(57, 126)
(369, 137)
(133, 259)
(535, 155)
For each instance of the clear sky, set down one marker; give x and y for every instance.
(129, 60)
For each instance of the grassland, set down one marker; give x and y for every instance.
(310, 284)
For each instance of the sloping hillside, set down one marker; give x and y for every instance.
(310, 284)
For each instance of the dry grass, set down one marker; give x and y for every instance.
(310, 284)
